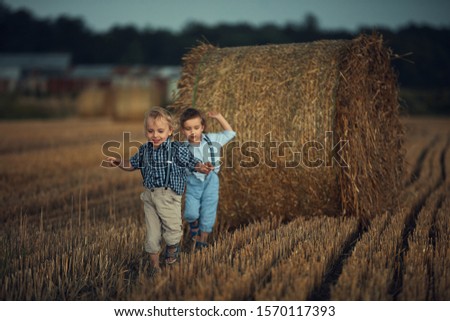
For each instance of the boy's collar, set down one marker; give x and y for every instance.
(164, 145)
(187, 142)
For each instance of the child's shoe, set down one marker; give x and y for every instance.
(201, 245)
(194, 229)
(172, 253)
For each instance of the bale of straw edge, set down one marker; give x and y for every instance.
(91, 102)
(131, 102)
(317, 124)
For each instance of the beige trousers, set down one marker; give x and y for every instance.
(162, 209)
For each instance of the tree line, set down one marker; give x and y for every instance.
(422, 51)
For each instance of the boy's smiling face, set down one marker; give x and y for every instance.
(158, 130)
(193, 129)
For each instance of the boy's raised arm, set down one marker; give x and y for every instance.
(222, 121)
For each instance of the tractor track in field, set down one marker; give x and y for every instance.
(322, 293)
(397, 282)
(419, 164)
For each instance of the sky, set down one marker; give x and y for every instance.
(101, 15)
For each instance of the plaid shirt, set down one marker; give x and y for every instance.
(153, 165)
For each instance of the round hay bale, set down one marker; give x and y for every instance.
(317, 125)
(131, 102)
(91, 102)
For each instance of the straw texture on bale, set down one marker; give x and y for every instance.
(131, 103)
(317, 125)
(92, 102)
(121, 102)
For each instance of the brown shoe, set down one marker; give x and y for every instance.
(172, 253)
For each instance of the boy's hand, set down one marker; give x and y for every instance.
(209, 166)
(113, 162)
(214, 114)
(204, 168)
(222, 121)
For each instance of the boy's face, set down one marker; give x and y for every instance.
(193, 129)
(158, 130)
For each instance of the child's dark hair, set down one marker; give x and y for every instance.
(192, 113)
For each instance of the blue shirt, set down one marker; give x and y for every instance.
(153, 165)
(203, 150)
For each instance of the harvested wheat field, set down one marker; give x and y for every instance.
(72, 230)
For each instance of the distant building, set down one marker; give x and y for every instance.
(30, 72)
(48, 62)
(121, 91)
(9, 78)
(170, 76)
(83, 76)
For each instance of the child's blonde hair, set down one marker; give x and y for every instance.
(157, 112)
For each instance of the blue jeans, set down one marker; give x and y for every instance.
(202, 198)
